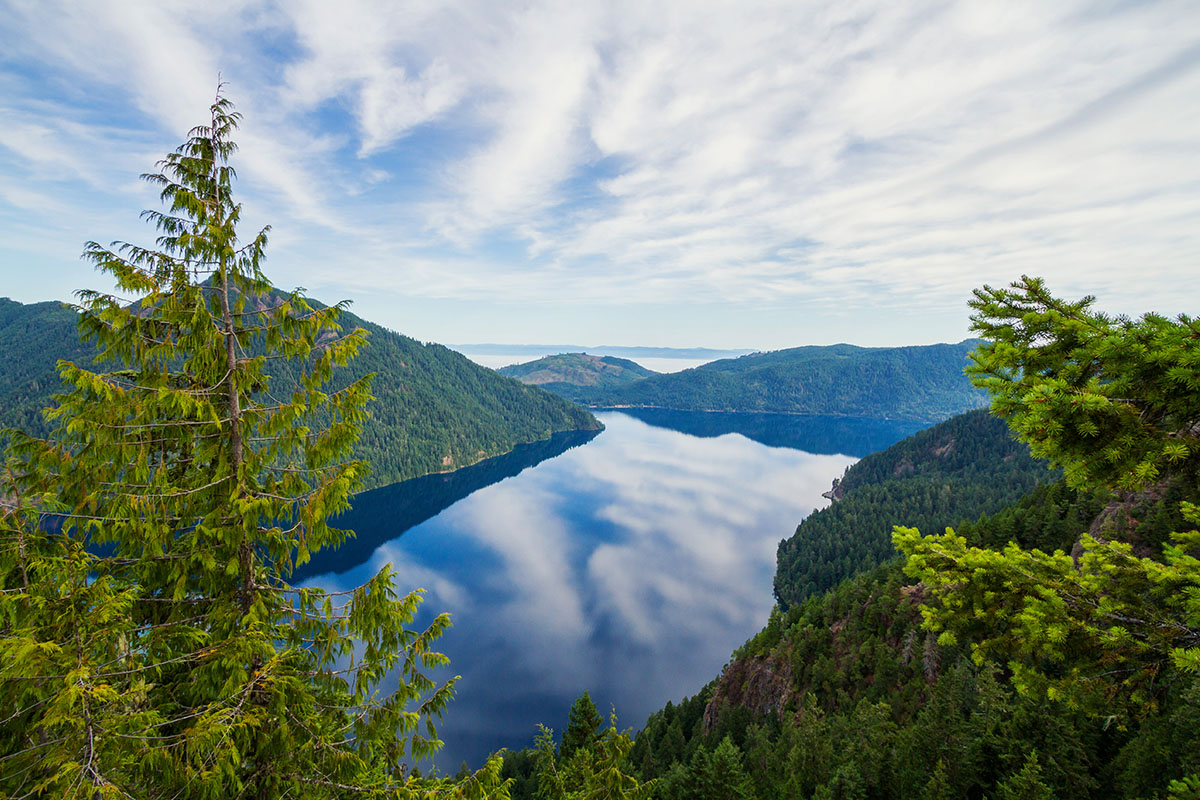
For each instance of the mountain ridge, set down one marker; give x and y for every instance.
(435, 410)
(923, 383)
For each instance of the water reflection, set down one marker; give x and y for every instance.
(383, 513)
(631, 567)
(815, 434)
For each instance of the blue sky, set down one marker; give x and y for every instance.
(644, 173)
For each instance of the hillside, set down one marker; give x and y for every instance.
(577, 375)
(924, 384)
(434, 409)
(957, 470)
(846, 694)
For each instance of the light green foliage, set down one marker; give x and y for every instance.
(1084, 633)
(150, 643)
(595, 772)
(1106, 630)
(1185, 789)
(1113, 401)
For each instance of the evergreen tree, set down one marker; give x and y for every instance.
(583, 726)
(150, 642)
(1115, 403)
(595, 771)
(1026, 784)
(1111, 400)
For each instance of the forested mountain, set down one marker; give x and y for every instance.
(434, 409)
(35, 336)
(957, 470)
(918, 383)
(577, 375)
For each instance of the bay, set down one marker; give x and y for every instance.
(629, 564)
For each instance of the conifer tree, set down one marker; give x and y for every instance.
(1026, 784)
(1115, 403)
(151, 644)
(583, 726)
(596, 771)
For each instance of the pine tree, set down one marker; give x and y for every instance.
(583, 726)
(1115, 403)
(595, 771)
(150, 642)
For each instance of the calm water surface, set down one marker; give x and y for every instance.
(630, 564)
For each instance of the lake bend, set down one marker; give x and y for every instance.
(629, 564)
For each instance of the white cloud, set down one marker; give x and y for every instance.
(856, 154)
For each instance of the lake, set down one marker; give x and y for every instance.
(629, 564)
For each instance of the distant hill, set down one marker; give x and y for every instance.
(35, 337)
(576, 375)
(434, 409)
(920, 383)
(620, 351)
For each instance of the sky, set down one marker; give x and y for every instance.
(737, 174)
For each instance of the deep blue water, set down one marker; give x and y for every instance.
(630, 564)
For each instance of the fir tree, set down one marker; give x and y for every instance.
(150, 642)
(1026, 784)
(583, 726)
(1111, 400)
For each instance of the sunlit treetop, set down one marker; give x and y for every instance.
(1113, 401)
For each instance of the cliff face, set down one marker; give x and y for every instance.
(864, 637)
(762, 684)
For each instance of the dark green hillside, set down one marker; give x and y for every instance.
(35, 336)
(847, 695)
(434, 409)
(577, 375)
(924, 384)
(957, 470)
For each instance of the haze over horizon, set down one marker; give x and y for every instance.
(672, 174)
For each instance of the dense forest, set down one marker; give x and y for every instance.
(434, 409)
(924, 384)
(35, 337)
(576, 376)
(956, 470)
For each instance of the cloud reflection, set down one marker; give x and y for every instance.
(630, 567)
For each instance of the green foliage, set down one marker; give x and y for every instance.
(1026, 784)
(715, 774)
(1111, 400)
(957, 470)
(594, 772)
(35, 337)
(851, 695)
(1092, 630)
(583, 726)
(150, 643)
(433, 409)
(913, 383)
